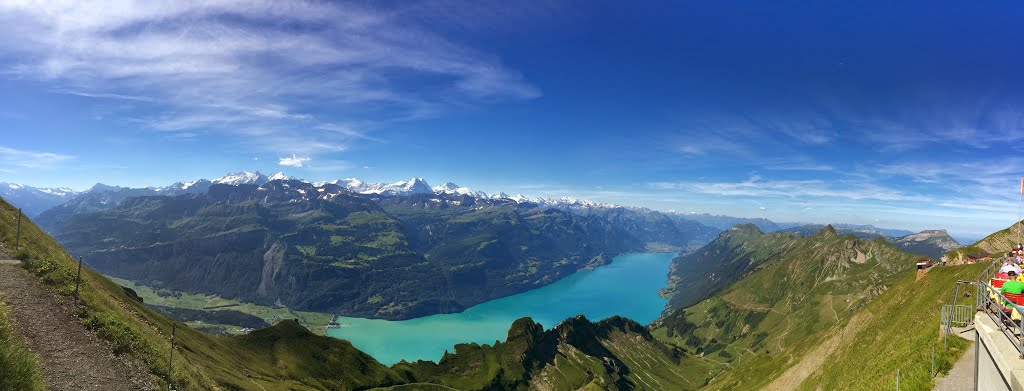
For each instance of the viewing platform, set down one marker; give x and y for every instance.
(998, 321)
(1000, 366)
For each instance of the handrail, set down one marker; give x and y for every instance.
(994, 308)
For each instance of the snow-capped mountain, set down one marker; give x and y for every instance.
(34, 200)
(243, 178)
(411, 186)
(452, 188)
(104, 196)
(570, 202)
(197, 186)
(280, 176)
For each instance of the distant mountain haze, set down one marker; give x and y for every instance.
(34, 200)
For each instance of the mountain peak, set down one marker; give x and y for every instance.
(98, 187)
(412, 186)
(279, 176)
(826, 232)
(242, 178)
(747, 228)
(450, 186)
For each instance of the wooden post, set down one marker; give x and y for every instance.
(170, 356)
(78, 278)
(17, 237)
(897, 380)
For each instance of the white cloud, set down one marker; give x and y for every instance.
(31, 159)
(217, 66)
(293, 161)
(758, 187)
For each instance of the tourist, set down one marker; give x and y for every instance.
(1009, 266)
(1012, 286)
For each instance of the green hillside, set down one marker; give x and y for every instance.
(897, 332)
(763, 323)
(613, 354)
(996, 243)
(283, 357)
(694, 276)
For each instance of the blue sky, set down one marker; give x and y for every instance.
(898, 114)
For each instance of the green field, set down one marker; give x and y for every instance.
(314, 321)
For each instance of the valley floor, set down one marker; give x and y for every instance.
(314, 321)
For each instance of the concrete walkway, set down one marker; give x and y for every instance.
(961, 377)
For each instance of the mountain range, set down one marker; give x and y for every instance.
(783, 306)
(35, 200)
(394, 252)
(411, 249)
(930, 243)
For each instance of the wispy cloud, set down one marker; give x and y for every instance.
(293, 161)
(199, 67)
(11, 157)
(755, 186)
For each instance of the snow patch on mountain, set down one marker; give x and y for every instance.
(242, 178)
(452, 188)
(280, 176)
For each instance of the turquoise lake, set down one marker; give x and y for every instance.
(628, 286)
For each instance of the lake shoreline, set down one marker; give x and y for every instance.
(628, 286)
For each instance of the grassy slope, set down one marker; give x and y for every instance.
(713, 267)
(753, 330)
(18, 367)
(997, 243)
(900, 334)
(285, 357)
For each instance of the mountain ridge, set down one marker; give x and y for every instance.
(786, 292)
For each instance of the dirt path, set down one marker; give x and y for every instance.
(71, 358)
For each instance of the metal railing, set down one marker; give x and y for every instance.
(957, 315)
(1013, 330)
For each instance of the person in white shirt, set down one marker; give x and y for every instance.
(1008, 266)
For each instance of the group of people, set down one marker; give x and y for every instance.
(1011, 269)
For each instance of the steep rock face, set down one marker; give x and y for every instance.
(273, 259)
(327, 249)
(930, 243)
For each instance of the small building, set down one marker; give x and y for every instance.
(922, 266)
(978, 256)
